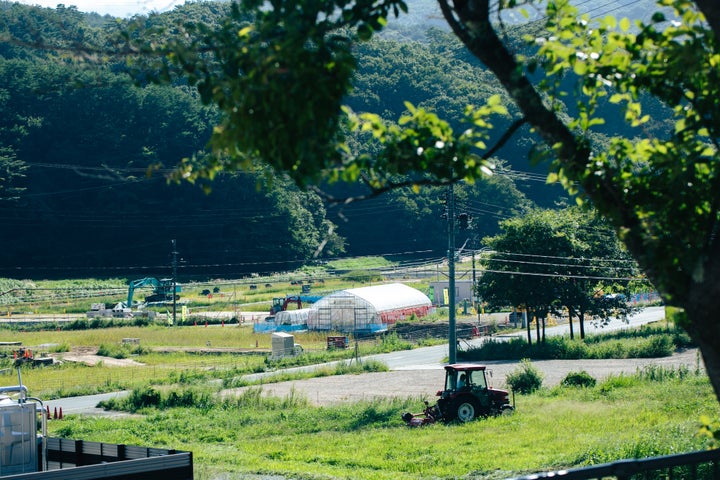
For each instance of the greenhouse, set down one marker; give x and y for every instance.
(285, 321)
(368, 309)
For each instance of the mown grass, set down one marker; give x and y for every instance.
(621, 417)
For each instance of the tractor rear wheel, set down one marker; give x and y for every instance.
(465, 409)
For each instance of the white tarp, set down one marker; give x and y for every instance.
(394, 296)
(293, 317)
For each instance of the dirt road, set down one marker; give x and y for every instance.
(423, 384)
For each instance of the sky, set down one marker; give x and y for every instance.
(118, 8)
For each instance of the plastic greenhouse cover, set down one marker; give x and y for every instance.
(393, 296)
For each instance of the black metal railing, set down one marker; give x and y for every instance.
(69, 459)
(685, 466)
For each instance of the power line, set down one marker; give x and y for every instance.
(555, 257)
(559, 275)
(561, 265)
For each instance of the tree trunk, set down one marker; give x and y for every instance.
(700, 319)
(571, 313)
(527, 325)
(711, 10)
(581, 316)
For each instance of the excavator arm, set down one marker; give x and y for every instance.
(138, 284)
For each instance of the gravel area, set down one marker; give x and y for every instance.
(424, 383)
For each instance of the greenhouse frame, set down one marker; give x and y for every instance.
(285, 321)
(368, 309)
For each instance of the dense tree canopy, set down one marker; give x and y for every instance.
(83, 169)
(85, 156)
(557, 261)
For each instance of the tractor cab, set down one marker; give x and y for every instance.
(468, 379)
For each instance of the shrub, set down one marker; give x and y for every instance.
(526, 378)
(579, 379)
(142, 398)
(196, 398)
(80, 324)
(60, 348)
(391, 342)
(120, 351)
(658, 346)
(614, 382)
(112, 351)
(576, 350)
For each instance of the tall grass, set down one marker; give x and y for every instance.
(644, 342)
(635, 415)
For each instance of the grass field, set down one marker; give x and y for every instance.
(164, 355)
(622, 417)
(628, 416)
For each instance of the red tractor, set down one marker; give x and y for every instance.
(466, 396)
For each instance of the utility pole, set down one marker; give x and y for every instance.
(452, 334)
(174, 281)
(474, 284)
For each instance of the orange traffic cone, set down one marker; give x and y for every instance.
(60, 415)
(48, 412)
(55, 413)
(222, 323)
(205, 323)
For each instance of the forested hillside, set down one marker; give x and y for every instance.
(86, 151)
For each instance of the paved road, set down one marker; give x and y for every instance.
(427, 365)
(431, 357)
(86, 405)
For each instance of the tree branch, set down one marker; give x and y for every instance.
(504, 139)
(473, 26)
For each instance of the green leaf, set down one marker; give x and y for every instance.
(658, 17)
(364, 32)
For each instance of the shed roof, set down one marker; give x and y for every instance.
(392, 296)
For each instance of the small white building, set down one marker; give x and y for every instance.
(440, 291)
(283, 345)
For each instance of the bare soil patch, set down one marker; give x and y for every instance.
(89, 356)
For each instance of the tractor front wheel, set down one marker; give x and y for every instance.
(465, 409)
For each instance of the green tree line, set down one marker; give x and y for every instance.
(86, 157)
